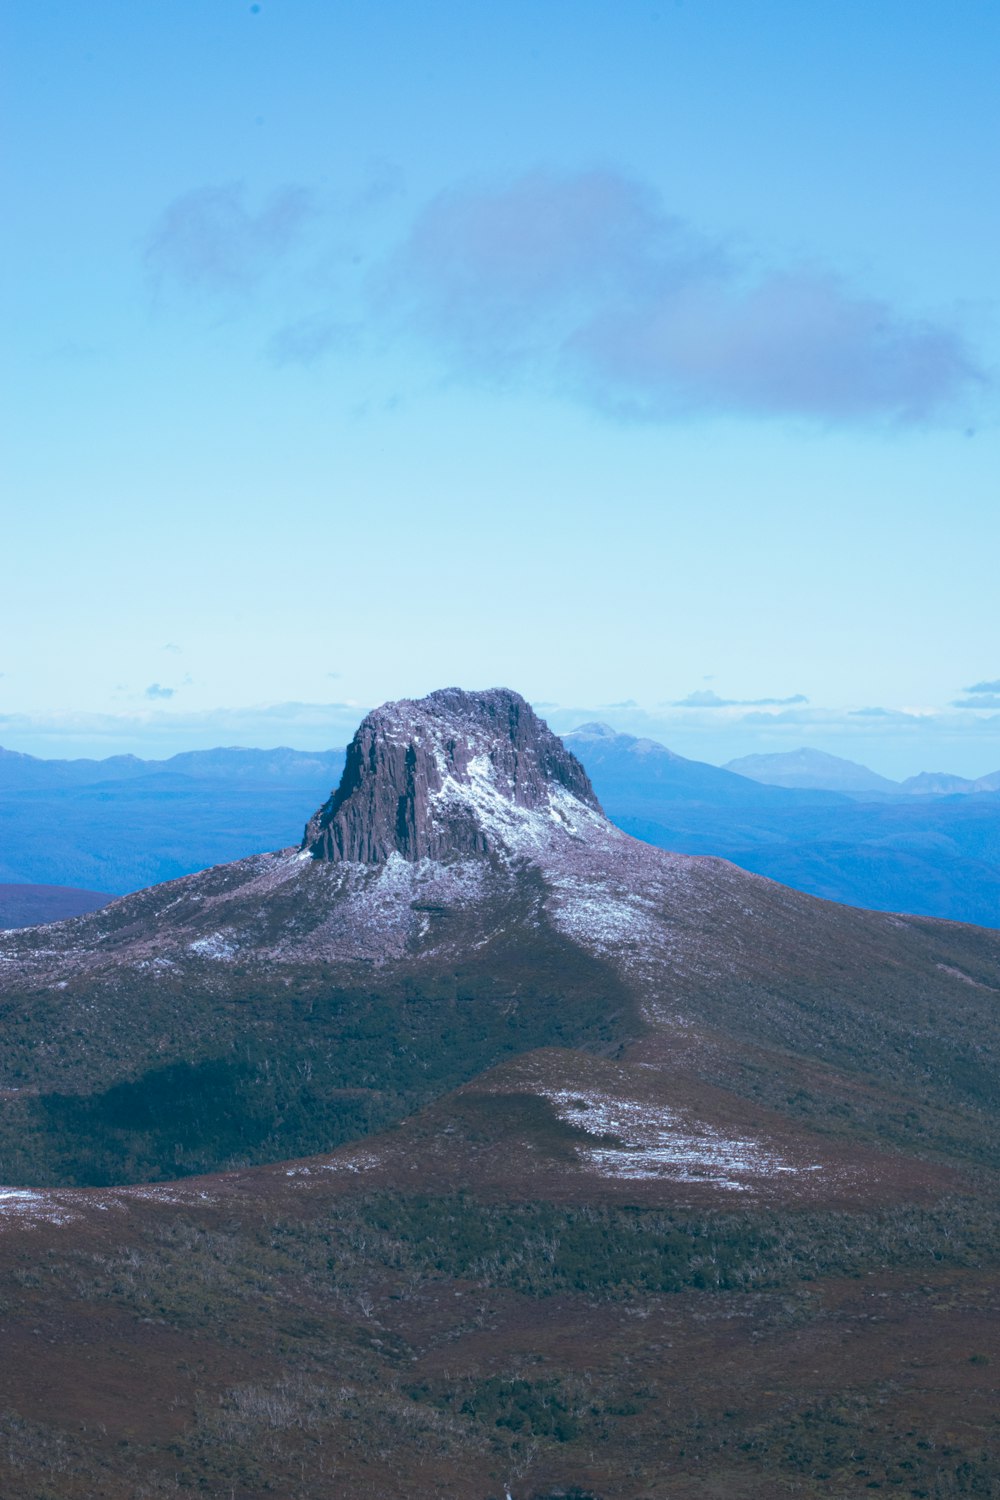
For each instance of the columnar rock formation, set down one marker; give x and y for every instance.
(422, 778)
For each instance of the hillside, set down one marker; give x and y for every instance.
(632, 1175)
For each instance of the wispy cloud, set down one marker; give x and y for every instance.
(308, 341)
(156, 691)
(981, 700)
(209, 240)
(705, 698)
(980, 695)
(586, 282)
(582, 284)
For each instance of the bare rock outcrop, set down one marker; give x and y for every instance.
(423, 775)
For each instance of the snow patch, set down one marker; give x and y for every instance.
(27, 1205)
(652, 1141)
(216, 945)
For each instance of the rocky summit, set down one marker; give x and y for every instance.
(445, 777)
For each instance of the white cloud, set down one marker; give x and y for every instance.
(585, 282)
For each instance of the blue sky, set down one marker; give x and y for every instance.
(640, 357)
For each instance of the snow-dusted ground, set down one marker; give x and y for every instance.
(31, 1205)
(215, 945)
(20, 1206)
(657, 1142)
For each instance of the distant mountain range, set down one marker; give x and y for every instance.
(233, 763)
(931, 855)
(28, 905)
(807, 768)
(645, 770)
(121, 824)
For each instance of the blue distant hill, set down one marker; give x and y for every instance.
(934, 855)
(119, 824)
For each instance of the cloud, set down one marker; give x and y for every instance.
(981, 700)
(383, 181)
(705, 698)
(156, 691)
(895, 715)
(981, 695)
(208, 240)
(584, 282)
(309, 340)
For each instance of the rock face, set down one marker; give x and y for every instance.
(439, 777)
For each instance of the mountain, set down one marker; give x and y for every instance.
(28, 905)
(806, 768)
(814, 769)
(933, 856)
(644, 770)
(20, 772)
(124, 823)
(620, 1173)
(941, 784)
(411, 787)
(463, 851)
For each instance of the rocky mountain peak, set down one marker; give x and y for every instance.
(447, 776)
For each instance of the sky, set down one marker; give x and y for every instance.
(641, 357)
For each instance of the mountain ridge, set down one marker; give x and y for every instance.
(807, 767)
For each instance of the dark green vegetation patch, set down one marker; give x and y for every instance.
(286, 1064)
